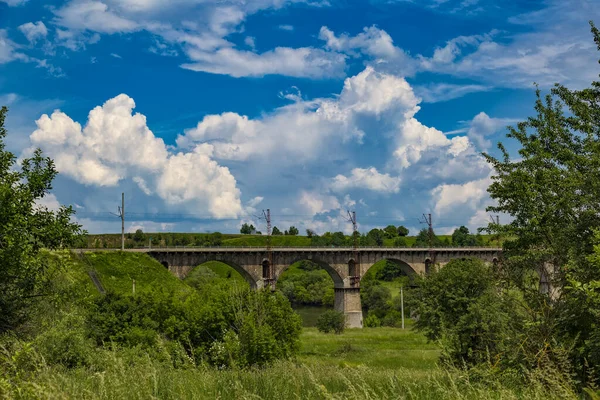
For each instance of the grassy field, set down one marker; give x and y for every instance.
(369, 363)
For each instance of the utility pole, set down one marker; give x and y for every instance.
(427, 220)
(354, 272)
(402, 303)
(497, 222)
(269, 274)
(122, 215)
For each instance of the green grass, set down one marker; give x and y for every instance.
(117, 271)
(381, 348)
(261, 241)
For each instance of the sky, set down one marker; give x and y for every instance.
(207, 112)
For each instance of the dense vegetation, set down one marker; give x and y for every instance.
(375, 237)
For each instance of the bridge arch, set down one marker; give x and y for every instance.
(338, 281)
(245, 274)
(405, 267)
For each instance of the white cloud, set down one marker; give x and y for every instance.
(297, 62)
(34, 31)
(373, 42)
(116, 144)
(288, 28)
(250, 42)
(366, 178)
(438, 92)
(482, 126)
(13, 3)
(7, 48)
(115, 55)
(316, 203)
(470, 195)
(49, 201)
(95, 16)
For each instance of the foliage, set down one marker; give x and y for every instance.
(139, 236)
(375, 298)
(552, 191)
(390, 271)
(390, 231)
(402, 231)
(460, 306)
(332, 321)
(307, 283)
(461, 237)
(425, 239)
(276, 231)
(25, 229)
(293, 231)
(247, 229)
(262, 322)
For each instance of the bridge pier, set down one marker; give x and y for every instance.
(347, 300)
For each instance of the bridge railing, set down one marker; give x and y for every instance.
(159, 248)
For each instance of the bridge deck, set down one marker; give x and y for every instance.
(176, 249)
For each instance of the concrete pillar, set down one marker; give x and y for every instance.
(347, 300)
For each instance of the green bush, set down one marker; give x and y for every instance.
(218, 317)
(372, 321)
(331, 320)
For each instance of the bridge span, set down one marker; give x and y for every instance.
(346, 266)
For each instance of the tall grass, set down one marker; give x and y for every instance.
(144, 378)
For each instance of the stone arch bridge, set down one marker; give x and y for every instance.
(346, 266)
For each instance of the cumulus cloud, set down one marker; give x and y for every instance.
(447, 198)
(366, 178)
(374, 43)
(34, 31)
(116, 144)
(482, 126)
(316, 203)
(7, 48)
(95, 16)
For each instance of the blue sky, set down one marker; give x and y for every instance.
(205, 112)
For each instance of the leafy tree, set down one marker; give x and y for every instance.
(276, 231)
(552, 193)
(402, 231)
(139, 236)
(390, 271)
(293, 231)
(390, 231)
(331, 321)
(310, 233)
(376, 298)
(247, 229)
(460, 305)
(375, 237)
(422, 239)
(462, 237)
(25, 229)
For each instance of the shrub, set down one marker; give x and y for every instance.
(331, 320)
(372, 321)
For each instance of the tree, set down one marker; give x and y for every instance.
(402, 231)
(462, 237)
(293, 231)
(331, 320)
(390, 231)
(276, 231)
(247, 229)
(375, 237)
(310, 233)
(25, 229)
(139, 236)
(423, 239)
(552, 193)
